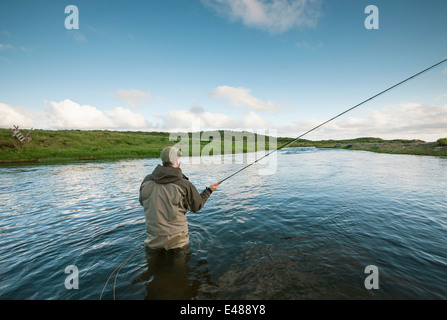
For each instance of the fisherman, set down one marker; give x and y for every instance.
(166, 194)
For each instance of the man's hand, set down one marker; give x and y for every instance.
(214, 187)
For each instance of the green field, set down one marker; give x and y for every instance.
(68, 145)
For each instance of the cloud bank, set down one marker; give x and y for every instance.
(403, 121)
(15, 116)
(68, 114)
(188, 120)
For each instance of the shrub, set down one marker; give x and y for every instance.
(6, 144)
(442, 142)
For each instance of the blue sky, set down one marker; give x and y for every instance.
(170, 65)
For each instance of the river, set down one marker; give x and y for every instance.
(308, 231)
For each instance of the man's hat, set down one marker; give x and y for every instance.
(170, 155)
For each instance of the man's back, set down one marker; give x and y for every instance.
(166, 196)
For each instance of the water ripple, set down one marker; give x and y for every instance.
(306, 232)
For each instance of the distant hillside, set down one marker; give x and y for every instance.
(396, 146)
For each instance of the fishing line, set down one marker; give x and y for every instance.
(118, 269)
(333, 118)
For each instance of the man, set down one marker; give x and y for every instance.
(166, 195)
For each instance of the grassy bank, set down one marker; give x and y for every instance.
(68, 145)
(397, 146)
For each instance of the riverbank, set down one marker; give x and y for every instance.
(71, 145)
(45, 146)
(397, 146)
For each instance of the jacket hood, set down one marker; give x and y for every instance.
(164, 175)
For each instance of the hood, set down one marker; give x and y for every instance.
(164, 175)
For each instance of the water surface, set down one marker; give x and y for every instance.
(306, 232)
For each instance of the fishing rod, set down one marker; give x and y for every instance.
(117, 269)
(333, 118)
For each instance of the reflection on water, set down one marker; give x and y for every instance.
(167, 276)
(170, 276)
(306, 232)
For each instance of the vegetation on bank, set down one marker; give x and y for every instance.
(396, 146)
(68, 145)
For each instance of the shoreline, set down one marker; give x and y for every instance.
(59, 146)
(377, 145)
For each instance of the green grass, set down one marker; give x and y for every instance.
(68, 145)
(396, 146)
(47, 145)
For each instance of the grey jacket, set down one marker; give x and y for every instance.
(166, 195)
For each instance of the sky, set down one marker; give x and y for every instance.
(280, 66)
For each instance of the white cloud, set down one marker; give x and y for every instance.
(133, 97)
(15, 116)
(403, 121)
(184, 120)
(188, 120)
(412, 119)
(444, 71)
(271, 15)
(124, 118)
(68, 114)
(241, 97)
(252, 120)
